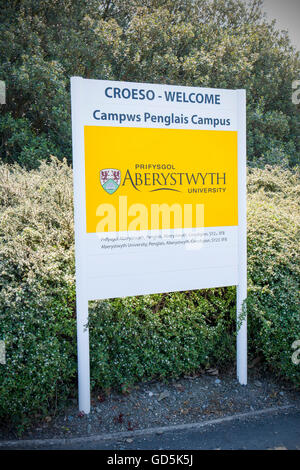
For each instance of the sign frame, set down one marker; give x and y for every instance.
(80, 231)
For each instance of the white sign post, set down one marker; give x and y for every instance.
(159, 197)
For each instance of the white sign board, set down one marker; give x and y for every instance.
(159, 196)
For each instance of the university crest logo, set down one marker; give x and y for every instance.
(110, 179)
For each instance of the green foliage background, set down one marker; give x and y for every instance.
(214, 43)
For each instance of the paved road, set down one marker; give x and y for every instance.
(264, 432)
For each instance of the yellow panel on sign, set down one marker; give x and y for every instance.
(140, 178)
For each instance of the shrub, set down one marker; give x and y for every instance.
(137, 338)
(274, 267)
(37, 317)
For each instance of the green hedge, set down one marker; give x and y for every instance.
(137, 338)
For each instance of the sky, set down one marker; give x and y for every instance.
(287, 15)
